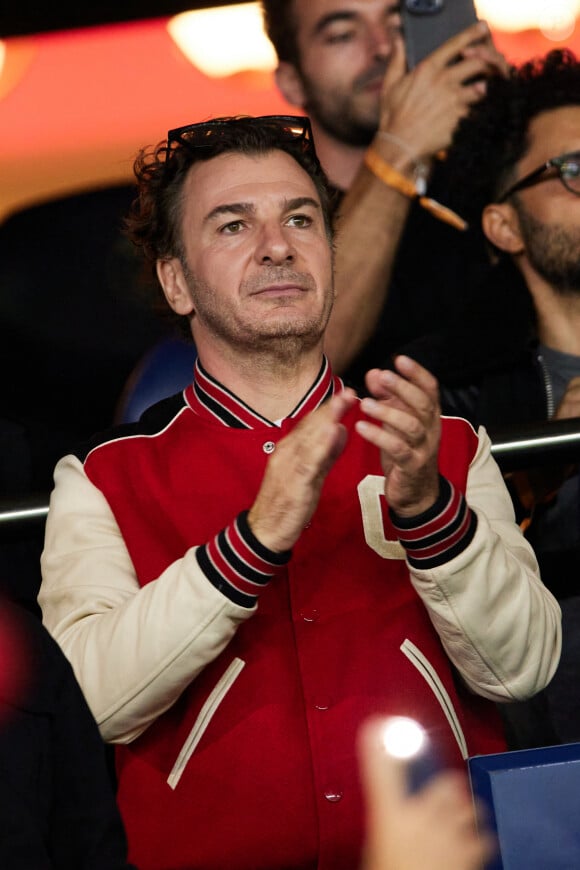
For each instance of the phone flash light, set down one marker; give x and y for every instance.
(403, 737)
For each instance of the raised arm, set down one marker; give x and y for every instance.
(136, 648)
(419, 113)
(468, 559)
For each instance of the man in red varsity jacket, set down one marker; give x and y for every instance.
(262, 562)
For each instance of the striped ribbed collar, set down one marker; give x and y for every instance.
(210, 399)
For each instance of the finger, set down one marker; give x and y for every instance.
(394, 445)
(314, 439)
(334, 434)
(468, 68)
(341, 402)
(395, 392)
(490, 55)
(455, 46)
(320, 436)
(404, 396)
(418, 375)
(453, 796)
(467, 83)
(400, 423)
(396, 69)
(376, 384)
(499, 60)
(383, 777)
(332, 411)
(316, 450)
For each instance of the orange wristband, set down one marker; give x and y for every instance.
(393, 178)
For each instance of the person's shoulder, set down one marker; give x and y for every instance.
(153, 421)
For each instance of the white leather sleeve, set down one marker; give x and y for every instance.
(498, 623)
(134, 650)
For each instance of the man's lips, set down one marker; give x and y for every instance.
(279, 282)
(371, 80)
(374, 87)
(279, 289)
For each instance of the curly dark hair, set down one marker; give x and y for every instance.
(492, 139)
(281, 26)
(154, 221)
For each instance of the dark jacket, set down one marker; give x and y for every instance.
(519, 394)
(57, 801)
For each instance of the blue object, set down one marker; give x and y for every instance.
(533, 802)
(422, 768)
(164, 370)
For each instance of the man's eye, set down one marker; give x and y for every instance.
(231, 228)
(571, 169)
(299, 220)
(338, 36)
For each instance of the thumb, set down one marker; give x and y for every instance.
(383, 777)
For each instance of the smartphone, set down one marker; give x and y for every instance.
(406, 740)
(427, 24)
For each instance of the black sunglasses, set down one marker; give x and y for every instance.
(287, 128)
(566, 168)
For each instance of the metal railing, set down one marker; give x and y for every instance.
(24, 510)
(514, 448)
(554, 442)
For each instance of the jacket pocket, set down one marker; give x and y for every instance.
(431, 677)
(203, 720)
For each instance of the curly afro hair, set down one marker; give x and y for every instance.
(491, 140)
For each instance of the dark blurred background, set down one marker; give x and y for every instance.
(37, 16)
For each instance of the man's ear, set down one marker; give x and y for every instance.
(501, 225)
(172, 280)
(289, 82)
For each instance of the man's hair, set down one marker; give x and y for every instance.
(281, 26)
(492, 139)
(154, 221)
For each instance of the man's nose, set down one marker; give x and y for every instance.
(275, 245)
(381, 39)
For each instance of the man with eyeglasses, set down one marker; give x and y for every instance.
(261, 562)
(380, 132)
(517, 164)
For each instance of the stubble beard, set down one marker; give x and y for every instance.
(336, 112)
(279, 337)
(554, 252)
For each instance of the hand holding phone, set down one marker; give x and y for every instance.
(434, 828)
(427, 24)
(423, 106)
(406, 740)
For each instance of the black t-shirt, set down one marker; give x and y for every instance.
(447, 306)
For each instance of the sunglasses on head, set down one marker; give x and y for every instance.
(287, 128)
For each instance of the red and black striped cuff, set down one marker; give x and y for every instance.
(440, 533)
(237, 564)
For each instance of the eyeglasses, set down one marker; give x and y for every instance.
(566, 168)
(287, 128)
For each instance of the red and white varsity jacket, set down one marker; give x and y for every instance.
(235, 680)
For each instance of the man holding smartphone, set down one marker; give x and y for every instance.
(378, 129)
